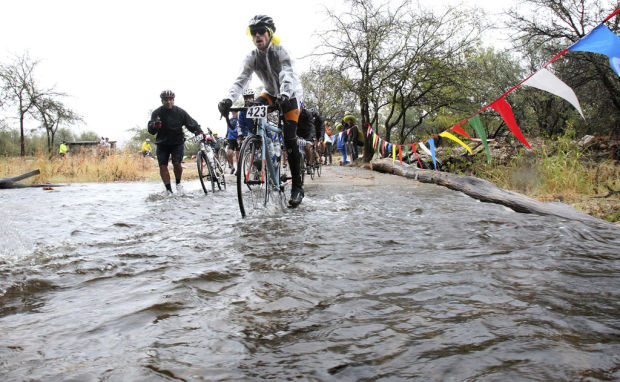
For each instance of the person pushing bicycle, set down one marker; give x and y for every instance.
(274, 66)
(167, 123)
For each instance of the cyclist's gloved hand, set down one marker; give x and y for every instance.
(224, 106)
(156, 123)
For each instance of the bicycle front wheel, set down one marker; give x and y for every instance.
(219, 170)
(251, 187)
(203, 169)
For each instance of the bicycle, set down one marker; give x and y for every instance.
(318, 163)
(260, 179)
(209, 167)
(301, 143)
(222, 154)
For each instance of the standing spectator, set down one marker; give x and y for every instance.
(341, 142)
(167, 123)
(352, 137)
(62, 150)
(327, 144)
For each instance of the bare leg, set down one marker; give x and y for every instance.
(178, 171)
(309, 156)
(230, 158)
(165, 175)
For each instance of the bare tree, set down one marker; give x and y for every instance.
(430, 68)
(52, 114)
(362, 46)
(323, 90)
(395, 58)
(19, 88)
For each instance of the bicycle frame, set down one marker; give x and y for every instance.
(261, 130)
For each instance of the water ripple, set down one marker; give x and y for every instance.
(386, 280)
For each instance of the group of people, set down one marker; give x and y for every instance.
(273, 66)
(349, 139)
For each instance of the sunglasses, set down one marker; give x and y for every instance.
(259, 30)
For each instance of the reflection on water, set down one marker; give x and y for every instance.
(380, 280)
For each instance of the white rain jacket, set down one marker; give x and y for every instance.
(274, 67)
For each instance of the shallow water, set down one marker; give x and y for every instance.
(375, 281)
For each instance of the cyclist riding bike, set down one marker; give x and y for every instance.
(146, 147)
(306, 130)
(246, 125)
(232, 137)
(274, 67)
(319, 129)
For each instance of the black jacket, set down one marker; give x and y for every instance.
(310, 125)
(172, 122)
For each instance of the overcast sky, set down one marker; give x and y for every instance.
(114, 57)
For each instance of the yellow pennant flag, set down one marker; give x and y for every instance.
(455, 139)
(393, 153)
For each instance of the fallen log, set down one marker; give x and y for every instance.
(482, 190)
(10, 182)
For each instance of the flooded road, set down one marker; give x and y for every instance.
(373, 277)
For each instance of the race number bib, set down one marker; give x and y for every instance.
(257, 111)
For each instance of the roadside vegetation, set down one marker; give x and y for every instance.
(82, 168)
(557, 170)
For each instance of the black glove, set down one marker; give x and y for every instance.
(283, 99)
(156, 123)
(224, 106)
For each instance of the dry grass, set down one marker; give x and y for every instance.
(87, 168)
(559, 173)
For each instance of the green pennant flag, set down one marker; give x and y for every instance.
(477, 125)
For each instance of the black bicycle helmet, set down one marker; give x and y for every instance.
(166, 94)
(262, 20)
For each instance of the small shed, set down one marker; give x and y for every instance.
(92, 147)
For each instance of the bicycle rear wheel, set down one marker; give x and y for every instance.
(251, 174)
(204, 171)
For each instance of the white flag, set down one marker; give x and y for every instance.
(547, 81)
(425, 149)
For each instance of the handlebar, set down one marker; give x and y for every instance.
(276, 106)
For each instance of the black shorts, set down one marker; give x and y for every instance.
(233, 145)
(164, 152)
(306, 132)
